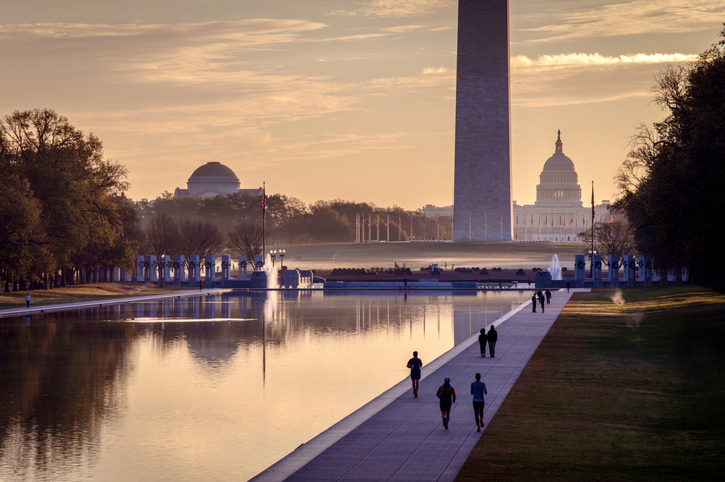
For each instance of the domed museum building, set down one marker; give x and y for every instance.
(213, 179)
(558, 213)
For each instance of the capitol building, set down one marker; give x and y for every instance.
(558, 213)
(213, 179)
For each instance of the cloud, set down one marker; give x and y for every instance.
(577, 20)
(579, 78)
(581, 59)
(397, 8)
(402, 28)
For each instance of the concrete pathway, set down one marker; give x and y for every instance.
(399, 437)
(35, 309)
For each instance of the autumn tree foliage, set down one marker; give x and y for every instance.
(672, 182)
(70, 197)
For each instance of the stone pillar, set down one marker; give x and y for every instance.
(580, 267)
(179, 269)
(153, 269)
(629, 266)
(226, 267)
(613, 274)
(243, 267)
(138, 272)
(116, 274)
(596, 270)
(645, 270)
(482, 177)
(167, 268)
(210, 265)
(194, 275)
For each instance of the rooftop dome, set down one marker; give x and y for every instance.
(558, 182)
(559, 162)
(211, 179)
(214, 169)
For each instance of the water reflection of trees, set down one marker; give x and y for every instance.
(60, 382)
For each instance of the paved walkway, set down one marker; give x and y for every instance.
(35, 309)
(399, 437)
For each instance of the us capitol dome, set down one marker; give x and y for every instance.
(558, 213)
(213, 179)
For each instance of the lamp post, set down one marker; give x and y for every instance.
(273, 254)
(281, 257)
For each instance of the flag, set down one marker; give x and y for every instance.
(264, 203)
(593, 218)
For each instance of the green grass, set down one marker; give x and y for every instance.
(86, 292)
(632, 391)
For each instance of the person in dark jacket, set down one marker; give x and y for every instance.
(447, 396)
(482, 339)
(492, 339)
(548, 297)
(533, 302)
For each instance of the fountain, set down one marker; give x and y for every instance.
(555, 269)
(271, 271)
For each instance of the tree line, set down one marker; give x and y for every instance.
(671, 183)
(62, 206)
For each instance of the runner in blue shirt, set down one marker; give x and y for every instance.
(478, 388)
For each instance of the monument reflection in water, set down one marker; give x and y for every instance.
(211, 387)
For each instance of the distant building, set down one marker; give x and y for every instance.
(558, 213)
(213, 179)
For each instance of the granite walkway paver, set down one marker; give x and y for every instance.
(399, 437)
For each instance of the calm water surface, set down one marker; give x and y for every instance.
(213, 387)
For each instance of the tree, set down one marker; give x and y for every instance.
(615, 237)
(163, 239)
(76, 187)
(199, 237)
(246, 239)
(671, 184)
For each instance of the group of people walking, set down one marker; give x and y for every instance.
(540, 298)
(446, 393)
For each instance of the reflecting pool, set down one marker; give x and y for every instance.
(213, 387)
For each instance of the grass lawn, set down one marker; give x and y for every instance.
(627, 385)
(88, 292)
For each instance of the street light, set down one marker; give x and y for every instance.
(273, 254)
(281, 257)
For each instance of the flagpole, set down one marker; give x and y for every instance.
(592, 255)
(264, 222)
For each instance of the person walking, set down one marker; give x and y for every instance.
(447, 397)
(548, 297)
(482, 339)
(27, 300)
(201, 284)
(541, 301)
(415, 364)
(478, 388)
(568, 285)
(533, 302)
(492, 339)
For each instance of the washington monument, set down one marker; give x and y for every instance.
(482, 195)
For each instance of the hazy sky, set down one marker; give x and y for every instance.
(350, 99)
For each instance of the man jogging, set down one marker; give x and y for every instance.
(447, 396)
(415, 364)
(478, 388)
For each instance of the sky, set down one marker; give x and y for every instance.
(347, 99)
